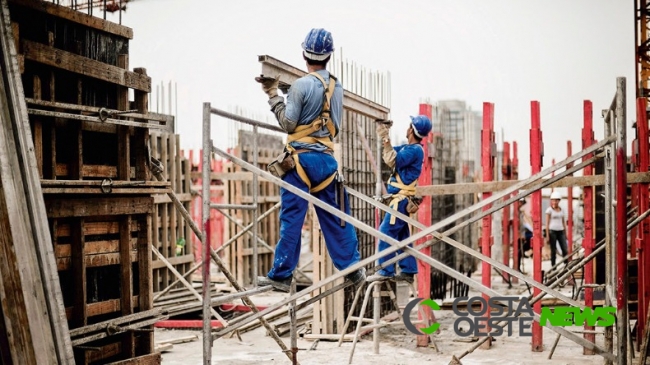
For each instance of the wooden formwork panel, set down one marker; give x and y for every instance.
(239, 254)
(103, 257)
(171, 233)
(327, 313)
(70, 71)
(92, 158)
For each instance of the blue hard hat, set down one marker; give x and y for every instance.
(421, 125)
(318, 44)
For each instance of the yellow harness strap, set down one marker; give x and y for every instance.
(302, 134)
(303, 176)
(405, 191)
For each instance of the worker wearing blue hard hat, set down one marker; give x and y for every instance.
(311, 116)
(406, 161)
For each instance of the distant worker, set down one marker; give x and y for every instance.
(312, 118)
(526, 228)
(406, 161)
(556, 227)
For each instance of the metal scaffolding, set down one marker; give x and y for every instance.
(602, 149)
(611, 149)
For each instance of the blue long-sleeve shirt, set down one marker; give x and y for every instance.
(304, 104)
(408, 164)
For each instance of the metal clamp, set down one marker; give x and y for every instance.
(106, 113)
(106, 186)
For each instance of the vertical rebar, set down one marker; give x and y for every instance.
(609, 334)
(622, 321)
(256, 210)
(205, 253)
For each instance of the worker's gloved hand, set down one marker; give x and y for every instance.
(269, 85)
(383, 131)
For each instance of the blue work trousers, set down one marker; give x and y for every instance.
(399, 231)
(341, 242)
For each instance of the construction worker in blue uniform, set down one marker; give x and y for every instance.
(406, 162)
(311, 117)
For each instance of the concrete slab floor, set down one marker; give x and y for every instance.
(397, 346)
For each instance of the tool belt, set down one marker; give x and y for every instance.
(393, 200)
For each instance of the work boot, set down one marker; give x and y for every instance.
(357, 278)
(279, 285)
(405, 277)
(378, 277)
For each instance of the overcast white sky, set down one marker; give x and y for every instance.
(503, 51)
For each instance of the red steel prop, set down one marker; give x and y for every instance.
(424, 216)
(488, 149)
(536, 154)
(588, 211)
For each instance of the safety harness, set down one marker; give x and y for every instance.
(405, 192)
(302, 134)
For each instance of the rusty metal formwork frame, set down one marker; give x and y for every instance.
(609, 149)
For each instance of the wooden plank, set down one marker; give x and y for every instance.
(126, 282)
(175, 261)
(145, 284)
(141, 135)
(76, 17)
(28, 266)
(76, 166)
(164, 209)
(78, 263)
(87, 170)
(85, 66)
(151, 359)
(38, 128)
(94, 247)
(13, 306)
(94, 228)
(173, 178)
(104, 352)
(472, 188)
(103, 259)
(57, 208)
(188, 234)
(164, 198)
(19, 58)
(123, 136)
(101, 308)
